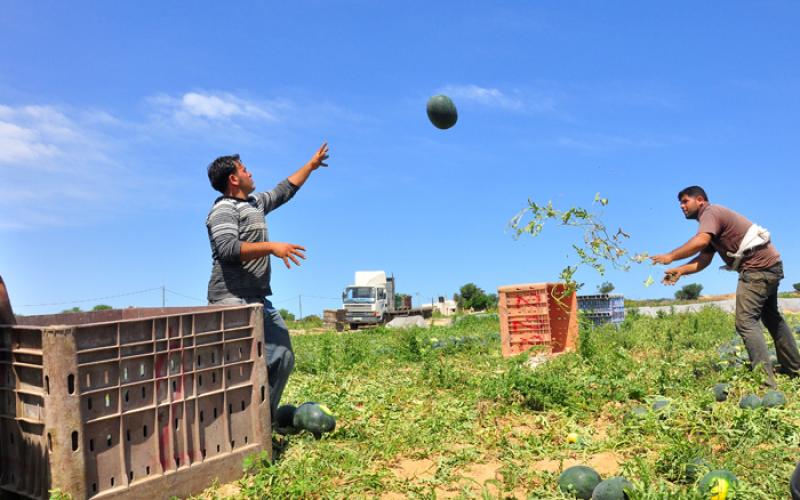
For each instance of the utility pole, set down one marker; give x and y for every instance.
(163, 296)
(300, 299)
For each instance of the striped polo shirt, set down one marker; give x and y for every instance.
(232, 221)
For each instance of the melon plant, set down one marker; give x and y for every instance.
(773, 399)
(718, 484)
(695, 467)
(750, 402)
(314, 418)
(579, 480)
(613, 488)
(661, 406)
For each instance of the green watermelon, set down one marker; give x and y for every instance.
(721, 392)
(750, 402)
(284, 420)
(773, 399)
(718, 485)
(314, 418)
(661, 405)
(636, 414)
(695, 467)
(579, 480)
(613, 488)
(442, 112)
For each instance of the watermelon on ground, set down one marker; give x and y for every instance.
(314, 418)
(695, 467)
(718, 485)
(750, 402)
(284, 420)
(773, 399)
(721, 392)
(579, 480)
(613, 488)
(636, 414)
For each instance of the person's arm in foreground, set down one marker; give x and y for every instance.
(6, 313)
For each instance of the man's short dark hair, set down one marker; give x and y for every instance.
(219, 171)
(693, 191)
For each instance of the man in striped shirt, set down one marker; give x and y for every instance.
(240, 249)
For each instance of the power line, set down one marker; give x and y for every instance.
(93, 299)
(185, 296)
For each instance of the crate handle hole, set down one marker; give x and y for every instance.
(212, 358)
(74, 440)
(108, 400)
(130, 476)
(199, 360)
(144, 392)
(147, 470)
(174, 386)
(89, 403)
(91, 445)
(71, 383)
(109, 440)
(203, 452)
(112, 482)
(141, 369)
(243, 405)
(230, 408)
(144, 431)
(263, 393)
(125, 373)
(47, 384)
(213, 377)
(233, 444)
(245, 440)
(49, 442)
(128, 434)
(201, 415)
(94, 487)
(176, 424)
(127, 396)
(200, 380)
(259, 349)
(215, 412)
(217, 448)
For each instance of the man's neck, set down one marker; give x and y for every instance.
(238, 194)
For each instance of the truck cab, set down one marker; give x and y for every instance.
(369, 300)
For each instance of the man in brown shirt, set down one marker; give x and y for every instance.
(760, 271)
(6, 313)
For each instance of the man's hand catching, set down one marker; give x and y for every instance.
(664, 258)
(671, 276)
(318, 160)
(288, 251)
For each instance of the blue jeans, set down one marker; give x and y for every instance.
(278, 347)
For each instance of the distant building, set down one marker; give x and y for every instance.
(446, 307)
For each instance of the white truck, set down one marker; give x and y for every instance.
(370, 300)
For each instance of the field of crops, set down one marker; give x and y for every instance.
(438, 413)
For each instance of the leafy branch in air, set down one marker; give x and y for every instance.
(600, 246)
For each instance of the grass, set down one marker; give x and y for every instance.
(472, 424)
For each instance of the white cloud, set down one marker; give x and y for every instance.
(484, 96)
(196, 107)
(602, 142)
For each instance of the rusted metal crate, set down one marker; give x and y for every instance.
(535, 314)
(131, 403)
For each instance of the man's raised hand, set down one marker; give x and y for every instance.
(287, 251)
(671, 276)
(318, 160)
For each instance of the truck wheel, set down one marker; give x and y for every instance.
(354, 326)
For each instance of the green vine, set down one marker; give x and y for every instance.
(600, 246)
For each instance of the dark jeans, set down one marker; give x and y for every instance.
(280, 356)
(757, 301)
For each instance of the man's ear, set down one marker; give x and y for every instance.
(233, 180)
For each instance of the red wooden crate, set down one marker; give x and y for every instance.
(533, 314)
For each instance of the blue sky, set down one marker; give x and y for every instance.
(110, 112)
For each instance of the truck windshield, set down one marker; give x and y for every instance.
(359, 294)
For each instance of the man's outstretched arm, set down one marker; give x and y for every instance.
(6, 313)
(699, 242)
(671, 276)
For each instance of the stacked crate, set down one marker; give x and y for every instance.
(131, 403)
(602, 308)
(537, 315)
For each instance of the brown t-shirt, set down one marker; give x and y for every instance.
(727, 229)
